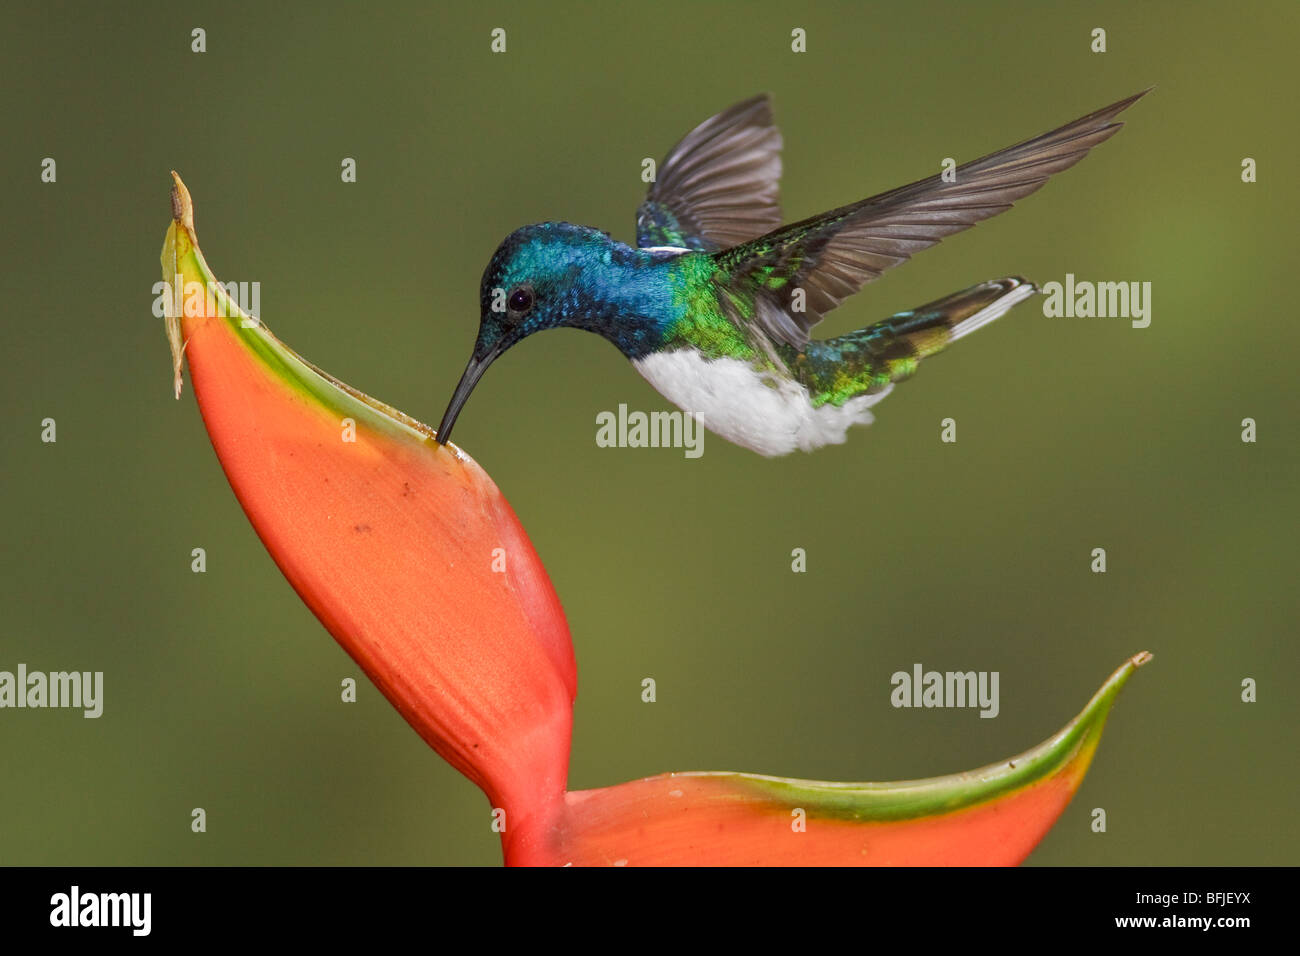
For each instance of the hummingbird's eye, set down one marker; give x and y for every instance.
(521, 300)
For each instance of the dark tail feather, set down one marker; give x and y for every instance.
(870, 359)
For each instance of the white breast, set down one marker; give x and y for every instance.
(757, 410)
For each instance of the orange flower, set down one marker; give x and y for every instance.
(412, 559)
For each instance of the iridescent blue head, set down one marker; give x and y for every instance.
(553, 275)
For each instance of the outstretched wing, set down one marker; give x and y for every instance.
(833, 255)
(718, 187)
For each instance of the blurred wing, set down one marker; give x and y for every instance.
(718, 187)
(833, 255)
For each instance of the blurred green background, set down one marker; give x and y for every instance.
(221, 689)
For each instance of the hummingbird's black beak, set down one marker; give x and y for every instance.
(473, 372)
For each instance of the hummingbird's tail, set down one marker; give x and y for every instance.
(870, 360)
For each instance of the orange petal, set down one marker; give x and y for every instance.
(395, 542)
(987, 817)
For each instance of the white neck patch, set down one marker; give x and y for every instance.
(757, 410)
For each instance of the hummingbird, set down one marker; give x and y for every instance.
(715, 303)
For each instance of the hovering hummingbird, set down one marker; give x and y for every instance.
(715, 304)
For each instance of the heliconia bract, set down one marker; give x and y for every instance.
(413, 560)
